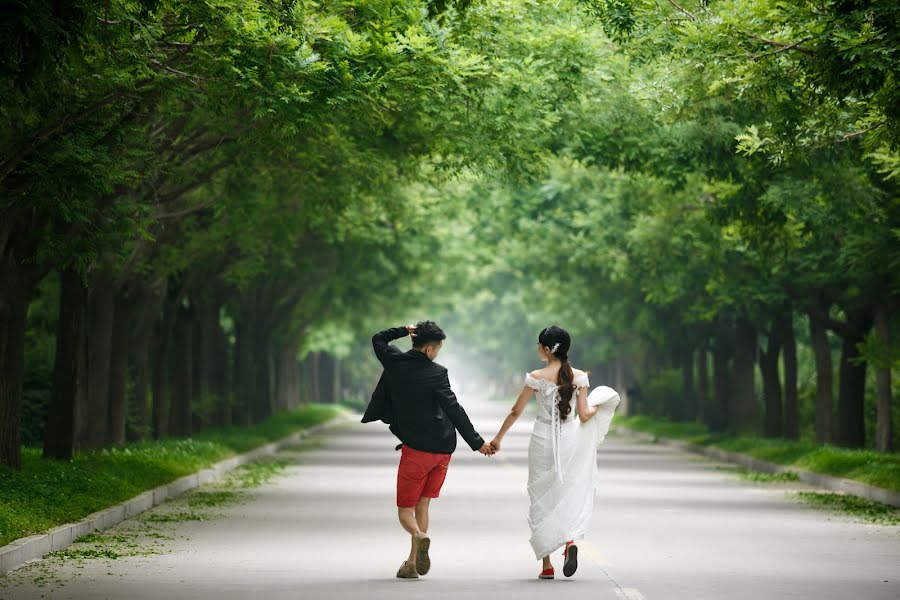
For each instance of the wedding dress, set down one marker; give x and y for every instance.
(562, 464)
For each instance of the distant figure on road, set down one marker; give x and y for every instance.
(562, 455)
(414, 397)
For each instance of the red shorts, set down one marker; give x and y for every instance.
(421, 474)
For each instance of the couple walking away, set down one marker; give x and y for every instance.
(414, 397)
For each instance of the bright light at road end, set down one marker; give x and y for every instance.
(471, 379)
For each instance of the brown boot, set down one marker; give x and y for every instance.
(423, 561)
(407, 571)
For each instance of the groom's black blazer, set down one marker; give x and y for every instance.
(414, 397)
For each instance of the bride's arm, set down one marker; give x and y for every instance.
(514, 414)
(585, 412)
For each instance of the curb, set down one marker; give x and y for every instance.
(35, 547)
(829, 482)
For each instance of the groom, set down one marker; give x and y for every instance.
(414, 397)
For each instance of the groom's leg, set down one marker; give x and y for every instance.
(422, 513)
(408, 521)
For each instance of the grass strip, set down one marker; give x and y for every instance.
(48, 493)
(860, 508)
(866, 466)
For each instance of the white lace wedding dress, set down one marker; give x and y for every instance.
(562, 464)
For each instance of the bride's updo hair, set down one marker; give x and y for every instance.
(558, 338)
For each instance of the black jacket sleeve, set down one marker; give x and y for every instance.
(447, 400)
(383, 350)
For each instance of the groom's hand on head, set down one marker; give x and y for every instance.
(411, 330)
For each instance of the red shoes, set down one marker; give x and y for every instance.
(571, 556)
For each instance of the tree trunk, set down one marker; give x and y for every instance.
(303, 380)
(286, 392)
(59, 438)
(211, 356)
(182, 371)
(768, 368)
(220, 380)
(161, 361)
(851, 430)
(717, 418)
(336, 380)
(688, 395)
(818, 337)
(140, 366)
(121, 340)
(205, 342)
(743, 414)
(262, 392)
(314, 377)
(884, 426)
(244, 376)
(99, 323)
(791, 404)
(702, 384)
(139, 351)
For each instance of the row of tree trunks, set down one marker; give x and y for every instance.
(731, 402)
(135, 356)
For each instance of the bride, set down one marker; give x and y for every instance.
(562, 455)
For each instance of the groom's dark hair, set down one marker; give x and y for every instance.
(428, 332)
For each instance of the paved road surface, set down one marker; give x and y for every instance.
(668, 526)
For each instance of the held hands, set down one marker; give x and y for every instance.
(495, 444)
(487, 450)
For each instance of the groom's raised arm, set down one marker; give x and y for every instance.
(447, 399)
(381, 342)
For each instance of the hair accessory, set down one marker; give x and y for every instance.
(555, 348)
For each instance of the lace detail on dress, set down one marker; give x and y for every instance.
(547, 393)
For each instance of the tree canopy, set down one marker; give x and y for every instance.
(210, 206)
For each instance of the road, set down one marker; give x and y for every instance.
(667, 526)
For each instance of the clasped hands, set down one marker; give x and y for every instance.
(491, 448)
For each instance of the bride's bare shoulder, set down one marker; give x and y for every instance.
(544, 373)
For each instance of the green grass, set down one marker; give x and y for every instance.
(46, 493)
(761, 477)
(866, 466)
(860, 508)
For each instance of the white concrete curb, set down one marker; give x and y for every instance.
(35, 547)
(834, 484)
